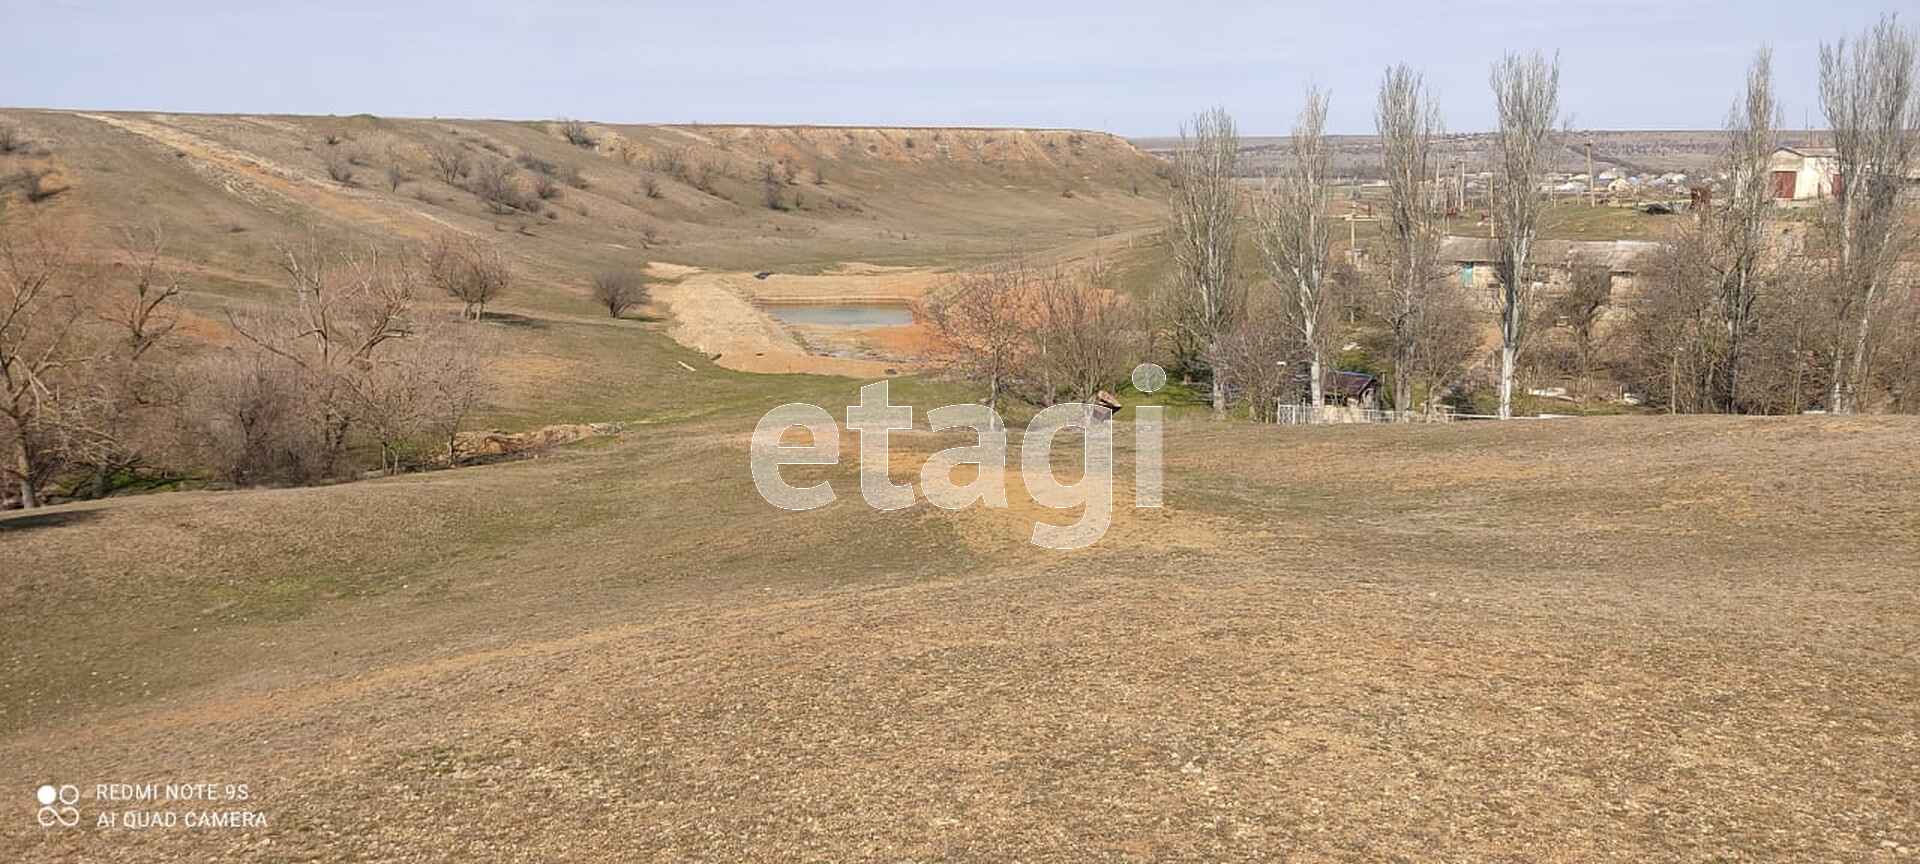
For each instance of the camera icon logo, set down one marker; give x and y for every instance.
(57, 805)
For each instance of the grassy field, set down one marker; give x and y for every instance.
(1614, 638)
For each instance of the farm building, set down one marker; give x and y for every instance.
(1473, 260)
(1803, 173)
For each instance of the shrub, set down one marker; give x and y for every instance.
(650, 186)
(619, 290)
(497, 185)
(396, 175)
(450, 162)
(577, 134)
(11, 139)
(545, 187)
(339, 167)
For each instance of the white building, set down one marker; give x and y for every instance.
(1804, 173)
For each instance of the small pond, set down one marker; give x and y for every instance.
(850, 315)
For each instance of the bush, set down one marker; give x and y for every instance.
(497, 185)
(10, 138)
(577, 134)
(339, 167)
(650, 186)
(450, 162)
(545, 188)
(619, 290)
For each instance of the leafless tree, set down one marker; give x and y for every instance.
(1294, 236)
(1674, 328)
(1446, 340)
(497, 185)
(979, 323)
(1589, 292)
(1082, 341)
(348, 309)
(1740, 224)
(467, 269)
(143, 314)
(1407, 119)
(38, 321)
(620, 290)
(1526, 94)
(1203, 228)
(1258, 355)
(449, 161)
(771, 192)
(1869, 95)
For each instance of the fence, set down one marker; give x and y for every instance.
(1302, 415)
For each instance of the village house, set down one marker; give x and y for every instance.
(1473, 260)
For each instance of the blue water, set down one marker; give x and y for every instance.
(856, 316)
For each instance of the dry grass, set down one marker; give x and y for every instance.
(1617, 639)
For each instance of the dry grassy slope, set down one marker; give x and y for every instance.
(225, 188)
(1631, 639)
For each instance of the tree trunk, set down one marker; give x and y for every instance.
(1507, 358)
(24, 461)
(1403, 383)
(1219, 395)
(1317, 387)
(1837, 396)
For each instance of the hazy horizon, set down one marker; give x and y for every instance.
(1137, 70)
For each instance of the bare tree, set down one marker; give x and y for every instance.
(449, 161)
(1740, 224)
(771, 187)
(1205, 220)
(497, 185)
(1869, 96)
(38, 320)
(979, 323)
(1082, 343)
(620, 290)
(1446, 339)
(1526, 93)
(1258, 355)
(1589, 291)
(1407, 119)
(347, 310)
(1294, 236)
(1674, 326)
(142, 314)
(467, 269)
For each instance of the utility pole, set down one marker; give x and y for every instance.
(1593, 199)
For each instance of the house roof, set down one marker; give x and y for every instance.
(1338, 383)
(1349, 383)
(1810, 151)
(1618, 256)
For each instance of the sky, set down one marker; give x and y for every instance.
(1133, 68)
